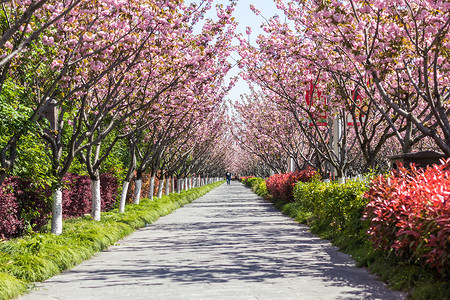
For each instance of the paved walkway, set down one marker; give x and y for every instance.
(229, 244)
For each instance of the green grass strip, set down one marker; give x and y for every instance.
(42, 255)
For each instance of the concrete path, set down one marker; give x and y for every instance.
(229, 244)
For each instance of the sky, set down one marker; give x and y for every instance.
(245, 17)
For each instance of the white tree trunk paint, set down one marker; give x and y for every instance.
(151, 190)
(341, 180)
(57, 211)
(167, 186)
(137, 191)
(178, 185)
(160, 188)
(123, 197)
(96, 200)
(186, 184)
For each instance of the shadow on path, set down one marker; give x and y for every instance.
(229, 244)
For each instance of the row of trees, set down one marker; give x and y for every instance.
(89, 83)
(378, 69)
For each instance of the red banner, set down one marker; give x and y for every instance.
(358, 102)
(314, 96)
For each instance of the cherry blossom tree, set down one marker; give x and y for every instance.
(299, 87)
(275, 126)
(380, 65)
(176, 69)
(398, 48)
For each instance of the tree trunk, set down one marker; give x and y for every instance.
(123, 197)
(137, 190)
(167, 192)
(57, 211)
(160, 188)
(96, 199)
(178, 185)
(173, 184)
(8, 156)
(129, 176)
(151, 189)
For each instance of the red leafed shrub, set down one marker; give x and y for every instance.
(274, 183)
(77, 197)
(10, 224)
(24, 205)
(410, 213)
(280, 186)
(34, 202)
(108, 191)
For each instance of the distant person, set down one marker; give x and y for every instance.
(228, 175)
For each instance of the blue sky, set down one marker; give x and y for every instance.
(245, 17)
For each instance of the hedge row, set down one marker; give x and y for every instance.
(280, 186)
(258, 185)
(77, 197)
(410, 213)
(25, 205)
(339, 206)
(244, 179)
